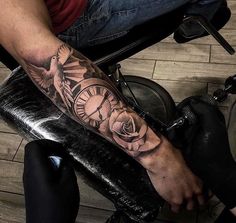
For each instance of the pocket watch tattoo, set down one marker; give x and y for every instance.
(94, 104)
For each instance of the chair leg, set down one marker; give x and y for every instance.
(211, 30)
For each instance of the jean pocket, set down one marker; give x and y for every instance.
(106, 38)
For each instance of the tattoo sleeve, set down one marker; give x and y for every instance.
(83, 91)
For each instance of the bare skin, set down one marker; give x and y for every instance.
(84, 93)
(233, 210)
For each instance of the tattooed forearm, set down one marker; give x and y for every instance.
(83, 92)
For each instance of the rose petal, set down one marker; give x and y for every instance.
(133, 124)
(123, 117)
(143, 130)
(137, 144)
(151, 142)
(130, 146)
(120, 142)
(114, 116)
(118, 129)
(117, 126)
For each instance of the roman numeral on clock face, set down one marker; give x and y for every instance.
(89, 93)
(80, 106)
(98, 90)
(83, 100)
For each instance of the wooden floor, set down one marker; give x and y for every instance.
(194, 68)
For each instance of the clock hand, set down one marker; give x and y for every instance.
(100, 115)
(92, 113)
(103, 101)
(99, 107)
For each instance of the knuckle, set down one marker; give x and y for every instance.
(189, 196)
(198, 190)
(177, 201)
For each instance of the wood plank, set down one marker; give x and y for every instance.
(11, 181)
(5, 128)
(92, 215)
(181, 90)
(231, 23)
(12, 210)
(183, 71)
(219, 55)
(4, 73)
(9, 144)
(232, 6)
(20, 153)
(176, 52)
(91, 198)
(1, 64)
(11, 177)
(143, 68)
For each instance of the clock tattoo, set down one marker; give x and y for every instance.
(94, 104)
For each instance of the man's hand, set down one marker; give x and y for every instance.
(171, 177)
(51, 193)
(208, 150)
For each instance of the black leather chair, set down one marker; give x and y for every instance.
(105, 167)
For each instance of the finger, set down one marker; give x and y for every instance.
(201, 200)
(190, 204)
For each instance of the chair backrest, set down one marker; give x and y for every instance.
(137, 39)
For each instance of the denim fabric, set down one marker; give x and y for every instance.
(104, 20)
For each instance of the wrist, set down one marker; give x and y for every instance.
(155, 160)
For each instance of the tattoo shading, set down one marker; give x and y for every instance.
(83, 92)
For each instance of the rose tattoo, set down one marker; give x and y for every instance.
(129, 131)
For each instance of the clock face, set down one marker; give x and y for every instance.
(94, 104)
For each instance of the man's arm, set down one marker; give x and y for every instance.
(77, 87)
(84, 93)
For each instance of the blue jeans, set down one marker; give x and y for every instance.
(105, 20)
